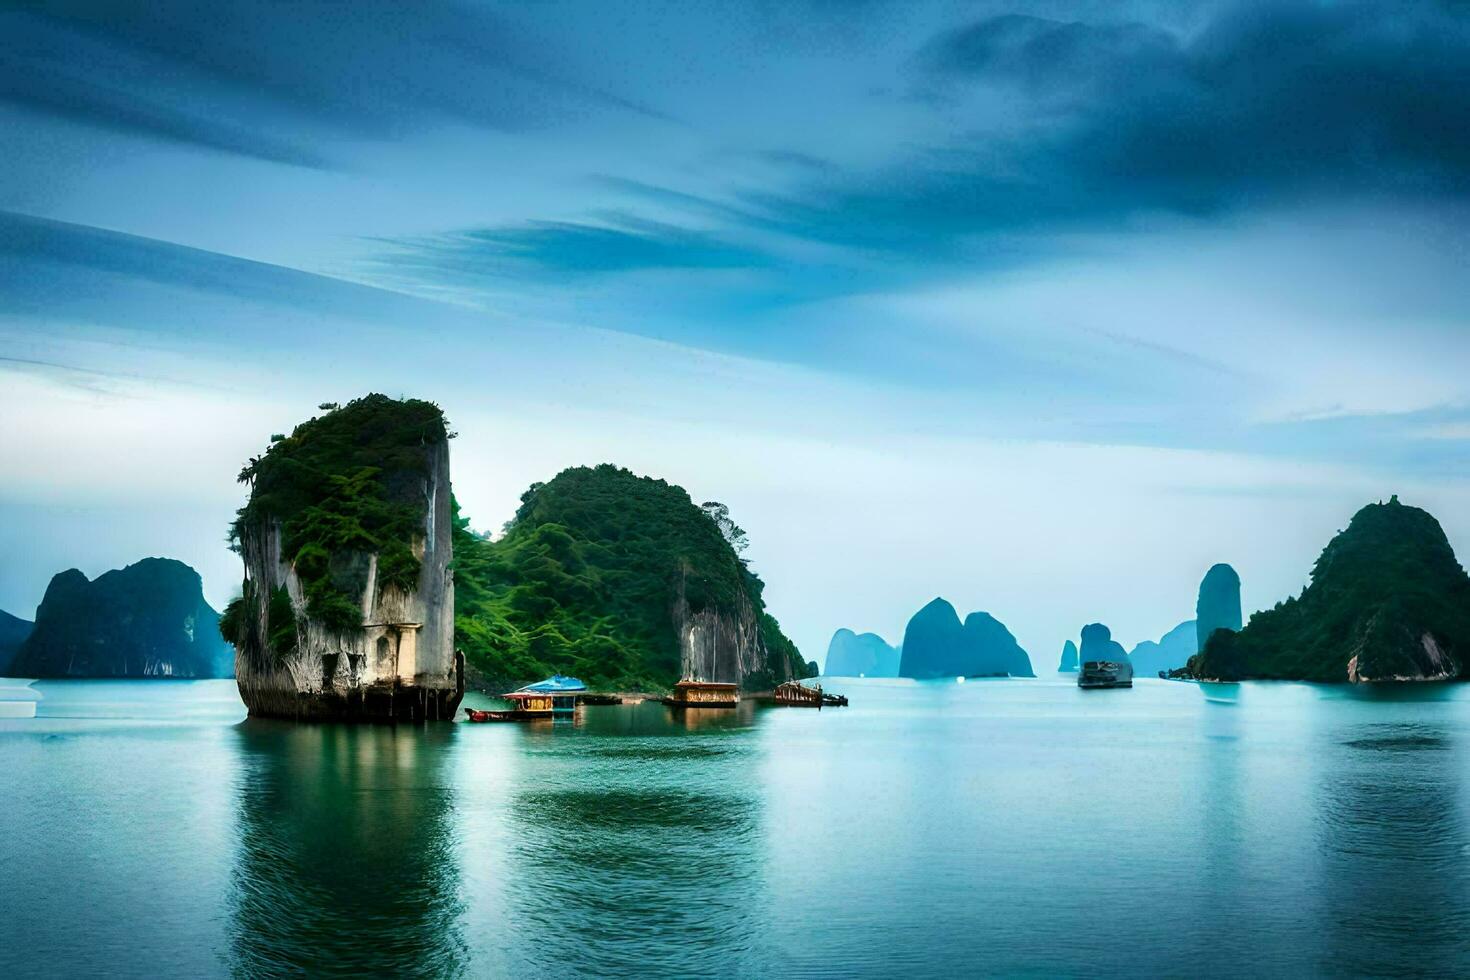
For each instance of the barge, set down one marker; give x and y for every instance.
(796, 695)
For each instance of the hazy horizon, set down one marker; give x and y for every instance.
(1041, 308)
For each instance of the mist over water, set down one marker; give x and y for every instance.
(1014, 827)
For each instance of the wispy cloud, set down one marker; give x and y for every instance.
(558, 248)
(274, 80)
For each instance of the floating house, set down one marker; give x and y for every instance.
(551, 698)
(703, 694)
(555, 696)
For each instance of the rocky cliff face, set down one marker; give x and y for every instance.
(347, 632)
(860, 655)
(1388, 601)
(1068, 664)
(725, 645)
(1098, 645)
(1218, 606)
(13, 632)
(146, 620)
(937, 644)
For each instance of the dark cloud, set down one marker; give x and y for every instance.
(1048, 56)
(1269, 103)
(274, 79)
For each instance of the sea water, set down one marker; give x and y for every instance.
(1013, 827)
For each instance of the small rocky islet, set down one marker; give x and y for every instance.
(852, 654)
(935, 644)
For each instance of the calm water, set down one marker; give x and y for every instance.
(1005, 827)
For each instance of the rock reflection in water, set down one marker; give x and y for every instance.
(345, 862)
(647, 850)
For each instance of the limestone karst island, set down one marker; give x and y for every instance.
(367, 597)
(628, 489)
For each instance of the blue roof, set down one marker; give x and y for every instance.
(558, 684)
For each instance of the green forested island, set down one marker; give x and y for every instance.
(1387, 601)
(615, 578)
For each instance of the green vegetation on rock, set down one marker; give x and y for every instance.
(343, 485)
(587, 577)
(1387, 600)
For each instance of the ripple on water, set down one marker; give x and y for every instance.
(629, 868)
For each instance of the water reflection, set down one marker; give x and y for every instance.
(1390, 835)
(1409, 691)
(345, 864)
(694, 719)
(1221, 810)
(646, 849)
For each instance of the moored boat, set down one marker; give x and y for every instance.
(486, 716)
(703, 694)
(793, 694)
(1105, 673)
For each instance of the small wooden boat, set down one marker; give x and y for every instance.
(484, 716)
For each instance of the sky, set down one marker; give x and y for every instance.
(1044, 307)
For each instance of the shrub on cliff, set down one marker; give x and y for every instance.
(586, 577)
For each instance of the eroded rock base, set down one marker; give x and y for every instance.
(376, 703)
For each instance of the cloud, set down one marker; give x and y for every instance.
(65, 273)
(271, 80)
(1047, 56)
(1064, 125)
(558, 248)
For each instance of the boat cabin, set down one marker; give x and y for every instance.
(795, 693)
(704, 694)
(554, 696)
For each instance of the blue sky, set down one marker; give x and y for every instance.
(1042, 307)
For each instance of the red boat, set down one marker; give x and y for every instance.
(483, 716)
